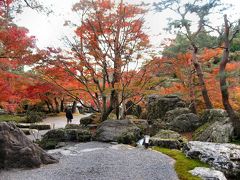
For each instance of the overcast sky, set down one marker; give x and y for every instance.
(49, 30)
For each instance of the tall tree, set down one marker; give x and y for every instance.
(228, 36)
(107, 52)
(201, 10)
(16, 50)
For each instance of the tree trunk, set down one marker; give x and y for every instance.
(123, 110)
(223, 81)
(56, 105)
(74, 106)
(117, 61)
(193, 105)
(62, 105)
(48, 106)
(199, 72)
(107, 111)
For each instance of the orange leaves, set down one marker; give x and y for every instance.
(181, 68)
(105, 4)
(208, 54)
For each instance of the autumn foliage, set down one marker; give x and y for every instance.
(104, 64)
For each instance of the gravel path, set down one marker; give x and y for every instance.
(100, 161)
(57, 122)
(61, 121)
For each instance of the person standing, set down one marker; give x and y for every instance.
(69, 115)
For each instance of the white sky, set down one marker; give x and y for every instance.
(49, 30)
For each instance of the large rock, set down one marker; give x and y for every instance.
(94, 118)
(217, 128)
(53, 137)
(167, 139)
(208, 174)
(142, 124)
(38, 126)
(118, 130)
(219, 131)
(223, 157)
(170, 115)
(185, 123)
(17, 151)
(157, 125)
(213, 115)
(158, 105)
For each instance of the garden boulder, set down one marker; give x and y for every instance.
(157, 106)
(118, 131)
(223, 157)
(167, 139)
(94, 118)
(17, 151)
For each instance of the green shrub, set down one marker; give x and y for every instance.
(83, 135)
(70, 134)
(48, 144)
(34, 116)
(56, 134)
(52, 138)
(13, 118)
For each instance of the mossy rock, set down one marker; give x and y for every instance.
(218, 132)
(55, 134)
(142, 125)
(158, 105)
(92, 119)
(48, 144)
(51, 139)
(40, 126)
(83, 135)
(156, 125)
(201, 129)
(127, 138)
(168, 139)
(72, 126)
(70, 135)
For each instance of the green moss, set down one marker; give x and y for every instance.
(183, 164)
(127, 138)
(83, 135)
(14, 118)
(48, 144)
(34, 116)
(201, 129)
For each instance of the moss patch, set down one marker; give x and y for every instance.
(183, 164)
(14, 118)
(48, 144)
(201, 129)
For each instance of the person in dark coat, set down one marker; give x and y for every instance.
(69, 115)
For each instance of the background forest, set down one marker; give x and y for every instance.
(110, 59)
